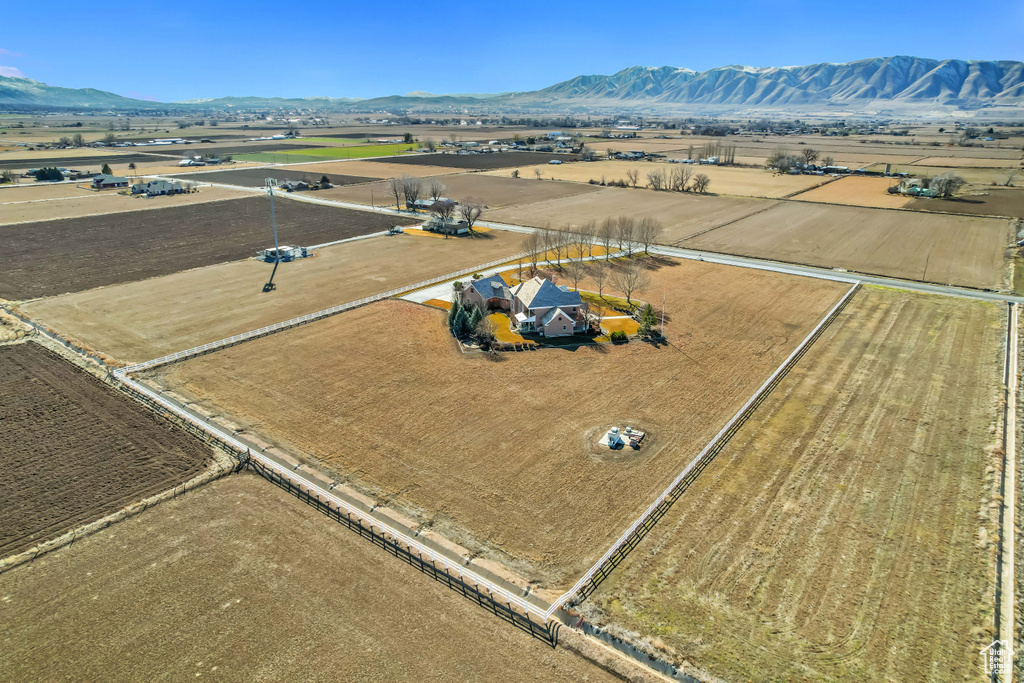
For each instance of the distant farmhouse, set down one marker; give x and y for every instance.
(158, 188)
(104, 182)
(537, 306)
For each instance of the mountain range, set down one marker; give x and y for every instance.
(879, 85)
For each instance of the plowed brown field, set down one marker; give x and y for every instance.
(502, 456)
(845, 533)
(74, 449)
(238, 581)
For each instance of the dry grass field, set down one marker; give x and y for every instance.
(725, 180)
(238, 581)
(75, 254)
(75, 450)
(857, 191)
(974, 176)
(371, 169)
(493, 192)
(90, 203)
(502, 456)
(682, 214)
(481, 161)
(962, 162)
(142, 320)
(845, 533)
(958, 250)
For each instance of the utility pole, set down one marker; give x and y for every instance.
(663, 314)
(270, 183)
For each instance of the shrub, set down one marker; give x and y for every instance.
(619, 337)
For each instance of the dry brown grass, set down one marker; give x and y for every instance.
(682, 215)
(90, 203)
(147, 319)
(845, 533)
(725, 180)
(956, 250)
(857, 191)
(238, 581)
(501, 456)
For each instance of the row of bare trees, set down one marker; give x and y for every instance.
(675, 179)
(627, 234)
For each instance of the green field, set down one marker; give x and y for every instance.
(324, 153)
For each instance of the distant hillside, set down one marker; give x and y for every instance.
(26, 91)
(884, 84)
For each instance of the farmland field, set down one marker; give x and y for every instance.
(682, 215)
(375, 168)
(482, 161)
(963, 162)
(75, 450)
(490, 191)
(256, 177)
(857, 191)
(69, 159)
(470, 445)
(70, 255)
(846, 531)
(977, 201)
(958, 250)
(294, 156)
(239, 581)
(90, 203)
(142, 320)
(727, 180)
(974, 176)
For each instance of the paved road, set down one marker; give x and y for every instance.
(711, 257)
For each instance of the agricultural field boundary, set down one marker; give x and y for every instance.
(1005, 573)
(646, 521)
(309, 317)
(264, 464)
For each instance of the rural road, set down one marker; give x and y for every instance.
(711, 257)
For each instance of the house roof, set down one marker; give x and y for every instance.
(552, 314)
(542, 293)
(492, 287)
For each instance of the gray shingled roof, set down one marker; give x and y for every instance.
(549, 295)
(492, 287)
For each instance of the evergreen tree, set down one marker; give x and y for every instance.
(648, 320)
(106, 170)
(475, 316)
(453, 313)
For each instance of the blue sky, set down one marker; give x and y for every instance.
(365, 49)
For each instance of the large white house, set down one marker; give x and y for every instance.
(536, 306)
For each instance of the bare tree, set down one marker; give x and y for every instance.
(588, 237)
(537, 173)
(65, 141)
(443, 210)
(78, 140)
(1010, 176)
(947, 185)
(599, 274)
(656, 179)
(395, 185)
(633, 176)
(577, 270)
(606, 235)
(810, 156)
(470, 213)
(515, 173)
(411, 188)
(647, 232)
(625, 234)
(828, 161)
(700, 183)
(534, 245)
(631, 278)
(557, 243)
(435, 189)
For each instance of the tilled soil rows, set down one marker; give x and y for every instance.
(74, 449)
(55, 257)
